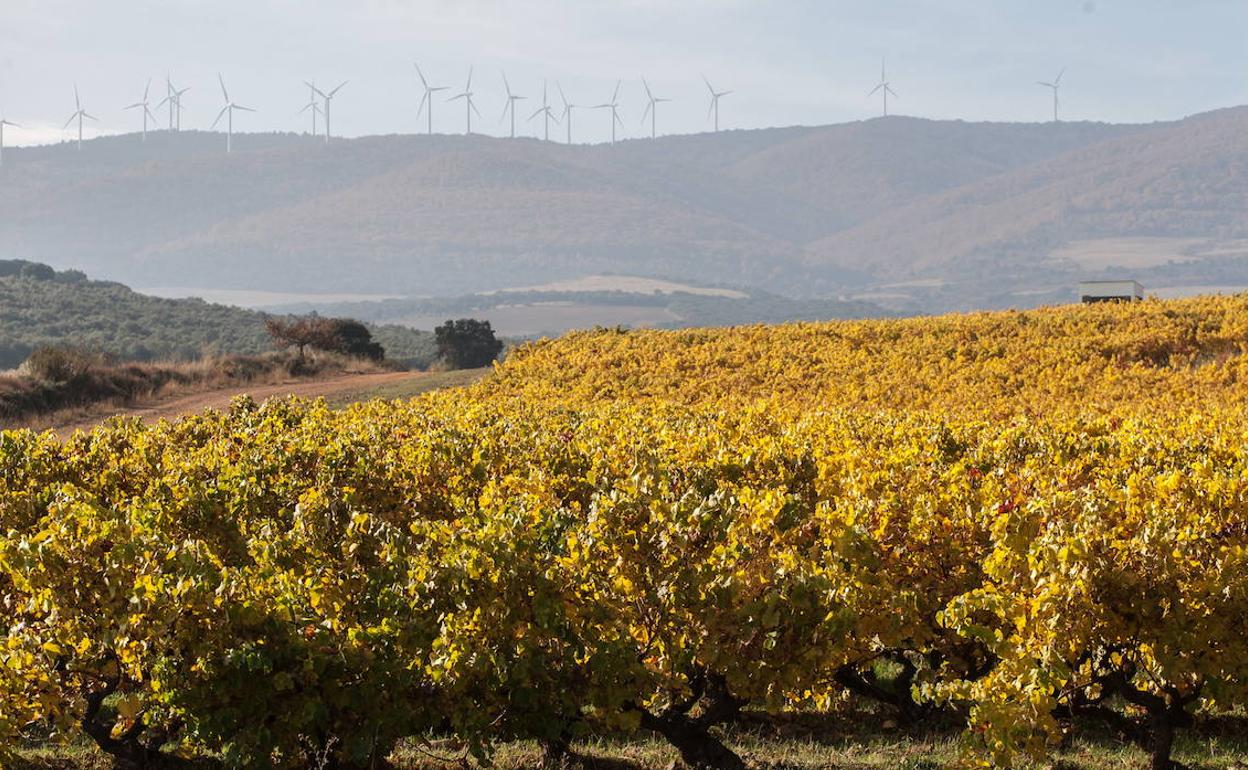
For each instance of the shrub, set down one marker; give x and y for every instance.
(62, 363)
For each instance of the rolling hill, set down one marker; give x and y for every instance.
(917, 214)
(41, 306)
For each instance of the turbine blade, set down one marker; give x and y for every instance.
(77, 102)
(1058, 79)
(89, 116)
(421, 75)
(220, 115)
(147, 89)
(708, 85)
(457, 97)
(161, 103)
(537, 112)
(134, 106)
(646, 86)
(615, 95)
(877, 88)
(561, 95)
(241, 107)
(468, 87)
(649, 107)
(506, 85)
(70, 121)
(337, 88)
(473, 106)
(224, 92)
(426, 98)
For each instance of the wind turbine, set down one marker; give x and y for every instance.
(312, 105)
(567, 109)
(144, 105)
(546, 112)
(174, 98)
(715, 97)
(469, 106)
(328, 97)
(511, 105)
(427, 99)
(228, 109)
(884, 88)
(1056, 86)
(651, 103)
(614, 106)
(79, 114)
(4, 123)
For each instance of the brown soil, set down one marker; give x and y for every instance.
(66, 424)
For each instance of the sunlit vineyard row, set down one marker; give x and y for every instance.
(1152, 357)
(1031, 520)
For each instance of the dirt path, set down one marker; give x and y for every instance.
(194, 403)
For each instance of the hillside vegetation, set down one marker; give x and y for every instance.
(982, 213)
(1029, 523)
(64, 382)
(1155, 358)
(39, 306)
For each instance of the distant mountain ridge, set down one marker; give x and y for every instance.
(971, 213)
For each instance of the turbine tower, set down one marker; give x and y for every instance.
(884, 88)
(567, 110)
(510, 106)
(4, 123)
(469, 106)
(173, 97)
(79, 114)
(715, 97)
(1056, 85)
(546, 112)
(328, 97)
(652, 103)
(228, 110)
(145, 106)
(427, 99)
(312, 105)
(614, 106)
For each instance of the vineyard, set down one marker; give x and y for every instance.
(1031, 521)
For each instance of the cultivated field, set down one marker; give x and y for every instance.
(1004, 538)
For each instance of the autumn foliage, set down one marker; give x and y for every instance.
(1038, 519)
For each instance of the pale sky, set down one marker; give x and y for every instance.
(786, 61)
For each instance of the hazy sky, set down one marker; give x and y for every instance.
(787, 61)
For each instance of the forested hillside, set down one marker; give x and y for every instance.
(41, 306)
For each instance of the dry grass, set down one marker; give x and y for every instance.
(411, 388)
(27, 400)
(857, 741)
